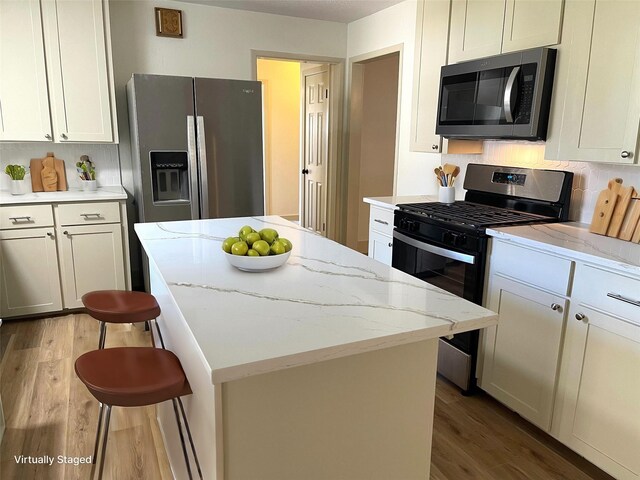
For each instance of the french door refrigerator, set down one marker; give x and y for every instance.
(197, 149)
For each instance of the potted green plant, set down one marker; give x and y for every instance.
(87, 173)
(18, 183)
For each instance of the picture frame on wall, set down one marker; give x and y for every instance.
(168, 22)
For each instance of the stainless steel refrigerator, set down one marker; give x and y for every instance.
(197, 148)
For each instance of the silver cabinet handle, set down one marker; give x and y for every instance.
(47, 136)
(508, 108)
(555, 307)
(617, 296)
(434, 147)
(580, 316)
(380, 221)
(49, 234)
(65, 232)
(626, 154)
(26, 218)
(87, 215)
(390, 244)
(63, 136)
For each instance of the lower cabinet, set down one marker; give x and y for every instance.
(90, 259)
(29, 282)
(522, 353)
(380, 247)
(381, 233)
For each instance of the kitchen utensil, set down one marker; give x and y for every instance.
(622, 203)
(35, 168)
(438, 172)
(448, 170)
(604, 210)
(631, 218)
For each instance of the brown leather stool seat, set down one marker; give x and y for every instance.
(121, 306)
(132, 376)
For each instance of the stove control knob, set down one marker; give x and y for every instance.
(403, 223)
(447, 237)
(413, 226)
(459, 239)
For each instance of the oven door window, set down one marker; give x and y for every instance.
(455, 272)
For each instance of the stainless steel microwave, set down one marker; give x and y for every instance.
(503, 97)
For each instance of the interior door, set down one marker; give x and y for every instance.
(316, 147)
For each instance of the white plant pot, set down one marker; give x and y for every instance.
(89, 185)
(18, 187)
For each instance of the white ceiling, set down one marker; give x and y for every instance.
(343, 11)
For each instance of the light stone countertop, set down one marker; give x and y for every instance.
(327, 301)
(574, 240)
(394, 201)
(115, 192)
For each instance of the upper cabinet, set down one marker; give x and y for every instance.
(72, 40)
(481, 28)
(596, 106)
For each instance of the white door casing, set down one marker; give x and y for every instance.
(316, 148)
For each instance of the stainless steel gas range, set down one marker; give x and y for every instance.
(446, 244)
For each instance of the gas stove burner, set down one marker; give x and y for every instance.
(473, 214)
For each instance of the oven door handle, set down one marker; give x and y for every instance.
(443, 252)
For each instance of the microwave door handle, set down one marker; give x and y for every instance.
(508, 108)
(193, 167)
(443, 252)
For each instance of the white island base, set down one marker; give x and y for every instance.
(365, 416)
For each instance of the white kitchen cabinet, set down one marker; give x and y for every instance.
(522, 353)
(56, 80)
(481, 28)
(595, 114)
(432, 43)
(91, 258)
(24, 100)
(381, 233)
(30, 281)
(599, 381)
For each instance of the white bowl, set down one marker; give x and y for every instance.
(257, 264)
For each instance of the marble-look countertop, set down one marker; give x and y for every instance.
(574, 240)
(327, 301)
(115, 192)
(394, 201)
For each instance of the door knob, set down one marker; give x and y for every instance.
(556, 307)
(434, 147)
(49, 234)
(580, 316)
(305, 171)
(47, 136)
(626, 154)
(63, 136)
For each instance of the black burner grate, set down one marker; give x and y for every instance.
(473, 214)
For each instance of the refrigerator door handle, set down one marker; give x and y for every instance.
(202, 155)
(193, 167)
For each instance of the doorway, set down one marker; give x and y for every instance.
(373, 121)
(301, 150)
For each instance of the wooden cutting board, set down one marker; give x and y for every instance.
(631, 219)
(604, 211)
(35, 168)
(620, 210)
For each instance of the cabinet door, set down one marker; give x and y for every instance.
(531, 24)
(24, 103)
(597, 88)
(599, 413)
(91, 258)
(432, 33)
(380, 247)
(476, 29)
(77, 69)
(521, 353)
(29, 282)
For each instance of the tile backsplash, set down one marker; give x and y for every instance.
(589, 178)
(105, 158)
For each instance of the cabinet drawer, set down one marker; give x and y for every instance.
(534, 267)
(25, 216)
(88, 213)
(609, 291)
(381, 220)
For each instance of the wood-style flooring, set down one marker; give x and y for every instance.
(48, 411)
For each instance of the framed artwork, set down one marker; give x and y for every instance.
(168, 22)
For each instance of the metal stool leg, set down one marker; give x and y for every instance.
(95, 449)
(105, 437)
(159, 334)
(184, 447)
(193, 447)
(103, 335)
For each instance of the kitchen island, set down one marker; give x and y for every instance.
(321, 369)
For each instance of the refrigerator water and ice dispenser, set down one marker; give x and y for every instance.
(169, 177)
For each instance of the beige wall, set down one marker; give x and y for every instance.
(281, 89)
(378, 134)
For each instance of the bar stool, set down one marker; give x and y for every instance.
(134, 377)
(119, 306)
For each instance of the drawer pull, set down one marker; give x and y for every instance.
(380, 221)
(87, 215)
(555, 307)
(616, 296)
(580, 316)
(26, 218)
